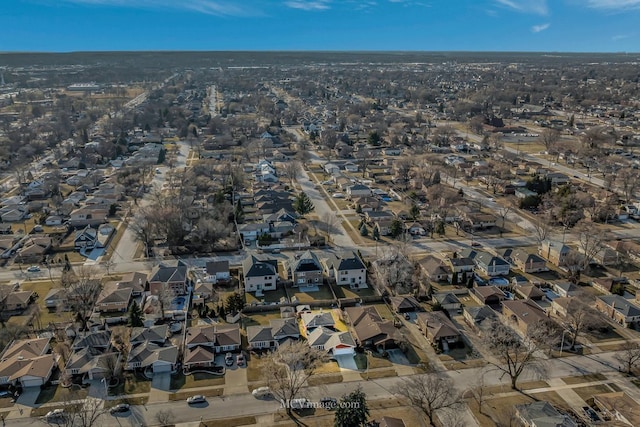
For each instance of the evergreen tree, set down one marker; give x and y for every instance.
(239, 213)
(302, 204)
(235, 302)
(162, 156)
(136, 318)
(353, 410)
(358, 209)
(376, 233)
(397, 227)
(440, 228)
(414, 212)
(364, 231)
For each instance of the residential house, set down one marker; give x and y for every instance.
(370, 329)
(310, 321)
(619, 309)
(217, 271)
(541, 413)
(113, 298)
(405, 304)
(607, 285)
(88, 215)
(137, 281)
(305, 269)
(157, 334)
(491, 265)
(202, 343)
(479, 317)
(487, 295)
(251, 232)
(149, 355)
(618, 406)
(554, 252)
(523, 313)
(202, 290)
(434, 268)
(53, 220)
(480, 221)
(17, 301)
(528, 263)
(269, 337)
(438, 329)
(13, 214)
(34, 249)
(169, 278)
(561, 306)
(383, 226)
(346, 268)
(260, 273)
(92, 363)
(55, 298)
(90, 238)
(565, 289)
(331, 168)
(416, 229)
(350, 167)
(336, 343)
(529, 291)
(27, 362)
(447, 301)
(358, 190)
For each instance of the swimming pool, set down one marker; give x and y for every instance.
(498, 281)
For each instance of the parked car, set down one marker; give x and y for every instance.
(33, 269)
(55, 415)
(329, 402)
(196, 399)
(240, 360)
(338, 196)
(261, 392)
(228, 359)
(5, 393)
(120, 408)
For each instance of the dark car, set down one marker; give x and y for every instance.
(120, 408)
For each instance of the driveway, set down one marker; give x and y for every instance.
(346, 361)
(161, 381)
(397, 356)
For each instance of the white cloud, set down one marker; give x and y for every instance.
(614, 4)
(621, 37)
(209, 7)
(539, 28)
(538, 7)
(308, 5)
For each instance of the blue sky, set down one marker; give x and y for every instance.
(476, 25)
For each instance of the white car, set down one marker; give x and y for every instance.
(33, 269)
(261, 392)
(196, 399)
(338, 196)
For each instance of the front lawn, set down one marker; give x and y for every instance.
(130, 384)
(198, 379)
(61, 394)
(324, 379)
(182, 395)
(246, 420)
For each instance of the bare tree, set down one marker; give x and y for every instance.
(292, 170)
(479, 390)
(591, 242)
(574, 262)
(580, 317)
(629, 356)
(82, 288)
(165, 417)
(79, 411)
(330, 222)
(394, 271)
(430, 394)
(629, 180)
(550, 138)
(541, 228)
(503, 212)
(289, 368)
(515, 355)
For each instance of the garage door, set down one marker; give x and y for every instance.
(33, 382)
(346, 362)
(161, 367)
(343, 351)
